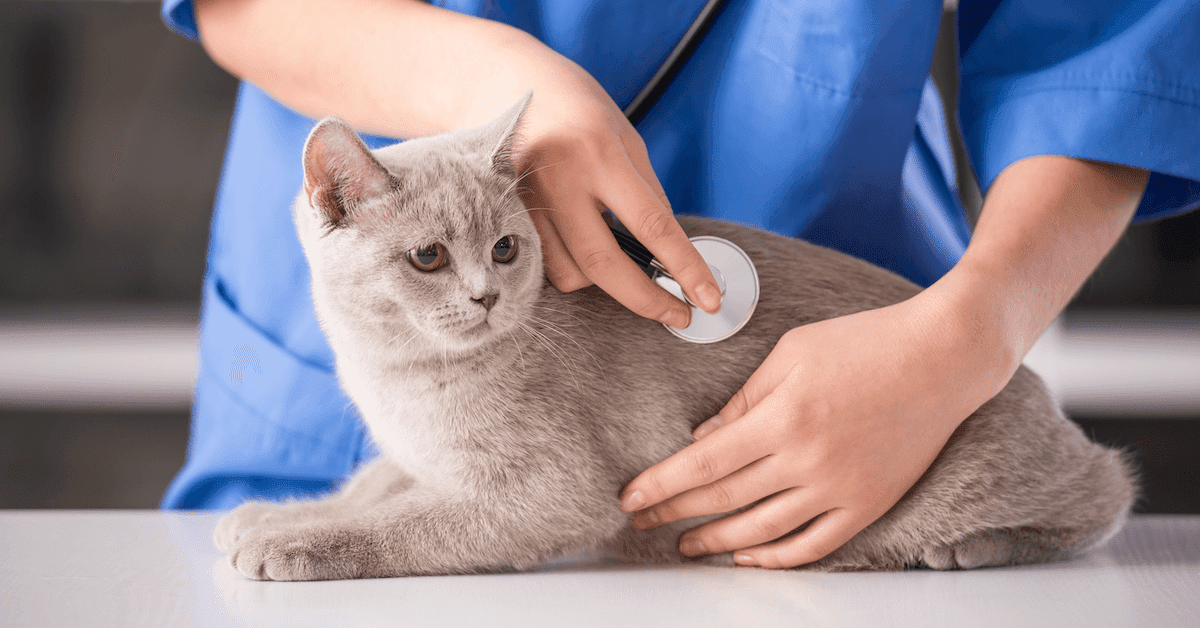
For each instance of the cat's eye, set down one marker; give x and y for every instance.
(505, 249)
(429, 258)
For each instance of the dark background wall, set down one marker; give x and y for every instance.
(112, 130)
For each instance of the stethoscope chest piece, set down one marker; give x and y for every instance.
(736, 277)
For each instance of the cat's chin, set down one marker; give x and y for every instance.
(472, 338)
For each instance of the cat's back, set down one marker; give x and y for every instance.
(800, 282)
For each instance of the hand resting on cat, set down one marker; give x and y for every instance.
(509, 414)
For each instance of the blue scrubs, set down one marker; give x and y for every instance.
(811, 119)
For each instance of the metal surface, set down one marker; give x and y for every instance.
(738, 279)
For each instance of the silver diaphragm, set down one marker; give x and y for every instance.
(736, 277)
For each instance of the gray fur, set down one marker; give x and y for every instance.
(508, 432)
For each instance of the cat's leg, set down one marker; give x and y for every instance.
(1010, 546)
(657, 546)
(369, 483)
(660, 545)
(423, 531)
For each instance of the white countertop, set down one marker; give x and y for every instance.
(146, 568)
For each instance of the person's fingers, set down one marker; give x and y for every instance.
(693, 466)
(775, 517)
(537, 193)
(765, 379)
(826, 533)
(595, 252)
(635, 148)
(742, 487)
(642, 211)
(560, 267)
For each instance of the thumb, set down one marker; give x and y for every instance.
(763, 382)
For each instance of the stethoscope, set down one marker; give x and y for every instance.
(736, 276)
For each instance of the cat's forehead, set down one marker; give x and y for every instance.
(451, 196)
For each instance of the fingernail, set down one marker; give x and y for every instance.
(691, 547)
(632, 501)
(706, 428)
(745, 559)
(676, 319)
(710, 297)
(646, 520)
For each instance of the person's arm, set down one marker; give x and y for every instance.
(846, 414)
(403, 69)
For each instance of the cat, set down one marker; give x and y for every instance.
(510, 415)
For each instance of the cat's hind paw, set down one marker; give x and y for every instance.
(997, 547)
(980, 549)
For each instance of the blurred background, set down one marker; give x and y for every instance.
(112, 131)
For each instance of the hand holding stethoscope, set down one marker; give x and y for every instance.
(735, 274)
(736, 277)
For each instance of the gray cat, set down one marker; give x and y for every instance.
(510, 415)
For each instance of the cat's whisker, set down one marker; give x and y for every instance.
(517, 344)
(568, 315)
(505, 220)
(554, 328)
(406, 343)
(562, 357)
(522, 176)
(397, 336)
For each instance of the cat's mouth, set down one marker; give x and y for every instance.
(467, 332)
(472, 333)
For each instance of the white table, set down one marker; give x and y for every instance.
(144, 568)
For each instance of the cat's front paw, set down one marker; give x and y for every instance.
(241, 520)
(303, 552)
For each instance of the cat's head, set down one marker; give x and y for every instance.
(426, 240)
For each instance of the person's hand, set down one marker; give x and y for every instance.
(833, 428)
(577, 150)
(579, 155)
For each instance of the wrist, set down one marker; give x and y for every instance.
(974, 315)
(518, 63)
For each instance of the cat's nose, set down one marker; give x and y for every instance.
(487, 300)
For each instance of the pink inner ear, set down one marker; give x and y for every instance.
(319, 182)
(339, 171)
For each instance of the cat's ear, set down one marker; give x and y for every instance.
(502, 133)
(340, 172)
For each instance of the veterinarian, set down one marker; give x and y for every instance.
(815, 120)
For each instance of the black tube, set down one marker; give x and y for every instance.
(650, 94)
(679, 55)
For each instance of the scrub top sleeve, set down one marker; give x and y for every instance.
(1108, 80)
(181, 17)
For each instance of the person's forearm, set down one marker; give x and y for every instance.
(404, 69)
(400, 68)
(1046, 224)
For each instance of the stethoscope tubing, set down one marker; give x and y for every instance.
(654, 88)
(739, 296)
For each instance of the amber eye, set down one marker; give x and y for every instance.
(505, 249)
(429, 258)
